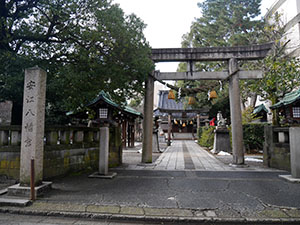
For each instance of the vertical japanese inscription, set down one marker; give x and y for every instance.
(29, 100)
(32, 145)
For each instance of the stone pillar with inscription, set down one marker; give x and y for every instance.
(33, 123)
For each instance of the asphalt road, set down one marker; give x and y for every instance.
(244, 192)
(216, 195)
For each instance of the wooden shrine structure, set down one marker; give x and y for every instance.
(179, 118)
(229, 54)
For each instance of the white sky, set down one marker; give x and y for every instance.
(167, 21)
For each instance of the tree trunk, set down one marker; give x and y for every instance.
(243, 107)
(275, 118)
(275, 121)
(253, 99)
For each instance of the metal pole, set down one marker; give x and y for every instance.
(32, 184)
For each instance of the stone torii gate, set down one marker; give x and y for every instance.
(229, 54)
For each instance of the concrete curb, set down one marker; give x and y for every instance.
(14, 202)
(148, 218)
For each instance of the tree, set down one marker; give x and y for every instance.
(85, 46)
(223, 23)
(281, 72)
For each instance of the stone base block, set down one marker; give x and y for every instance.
(290, 178)
(221, 141)
(21, 191)
(103, 176)
(238, 165)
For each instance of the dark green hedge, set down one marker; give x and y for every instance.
(253, 136)
(206, 136)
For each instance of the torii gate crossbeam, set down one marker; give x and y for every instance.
(230, 54)
(252, 52)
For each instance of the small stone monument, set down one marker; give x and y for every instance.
(32, 141)
(5, 113)
(222, 138)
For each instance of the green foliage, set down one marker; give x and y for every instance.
(253, 136)
(199, 133)
(136, 102)
(225, 23)
(221, 104)
(248, 116)
(281, 77)
(222, 23)
(85, 47)
(207, 136)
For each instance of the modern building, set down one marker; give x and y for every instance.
(289, 11)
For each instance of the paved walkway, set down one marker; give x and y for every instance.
(188, 155)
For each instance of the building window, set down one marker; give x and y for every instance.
(103, 113)
(296, 112)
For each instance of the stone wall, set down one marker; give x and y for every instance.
(277, 148)
(5, 112)
(66, 150)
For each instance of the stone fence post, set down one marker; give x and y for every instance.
(295, 151)
(3, 137)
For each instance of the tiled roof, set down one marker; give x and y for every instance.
(287, 99)
(103, 96)
(106, 98)
(260, 108)
(177, 108)
(169, 104)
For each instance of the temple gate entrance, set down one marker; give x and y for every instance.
(230, 54)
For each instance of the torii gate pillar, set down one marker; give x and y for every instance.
(235, 113)
(148, 121)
